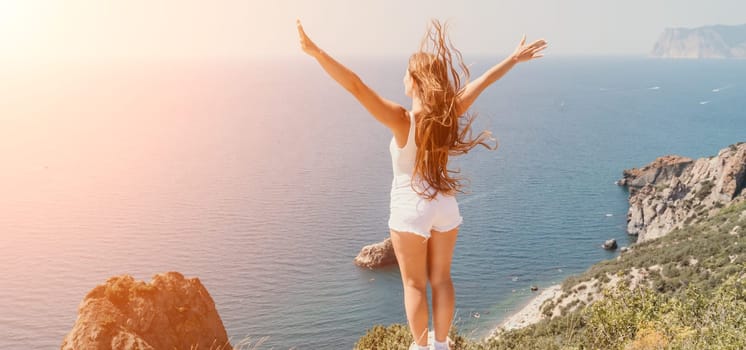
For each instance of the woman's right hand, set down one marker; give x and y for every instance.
(525, 52)
(306, 43)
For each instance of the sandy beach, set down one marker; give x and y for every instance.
(529, 313)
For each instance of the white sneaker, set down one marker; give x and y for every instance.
(414, 346)
(449, 343)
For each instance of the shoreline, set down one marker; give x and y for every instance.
(529, 313)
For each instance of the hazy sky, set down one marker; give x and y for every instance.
(102, 29)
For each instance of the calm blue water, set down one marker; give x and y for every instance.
(264, 180)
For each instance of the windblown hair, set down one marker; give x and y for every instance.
(440, 131)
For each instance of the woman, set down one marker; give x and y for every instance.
(424, 217)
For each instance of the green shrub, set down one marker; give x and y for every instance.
(398, 336)
(644, 319)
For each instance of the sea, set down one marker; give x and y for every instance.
(264, 179)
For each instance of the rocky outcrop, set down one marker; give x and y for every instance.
(170, 312)
(376, 255)
(660, 170)
(673, 191)
(704, 42)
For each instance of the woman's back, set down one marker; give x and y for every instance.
(403, 158)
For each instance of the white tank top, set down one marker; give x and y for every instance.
(402, 159)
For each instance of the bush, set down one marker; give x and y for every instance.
(644, 319)
(398, 336)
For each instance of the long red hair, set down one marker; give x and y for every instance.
(440, 132)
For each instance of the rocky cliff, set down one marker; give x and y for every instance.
(704, 42)
(673, 191)
(170, 312)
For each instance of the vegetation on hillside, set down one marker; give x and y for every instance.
(693, 297)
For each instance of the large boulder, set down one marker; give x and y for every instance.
(673, 191)
(376, 255)
(170, 312)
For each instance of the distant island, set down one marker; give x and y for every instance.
(718, 41)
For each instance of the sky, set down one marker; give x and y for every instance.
(195, 29)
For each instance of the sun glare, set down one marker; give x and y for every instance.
(22, 24)
(13, 16)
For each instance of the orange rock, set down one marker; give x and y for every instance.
(170, 312)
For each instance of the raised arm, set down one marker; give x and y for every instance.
(522, 53)
(387, 112)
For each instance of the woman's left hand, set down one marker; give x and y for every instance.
(525, 52)
(306, 43)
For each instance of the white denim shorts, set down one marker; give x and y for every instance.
(410, 212)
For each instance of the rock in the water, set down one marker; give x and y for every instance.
(623, 249)
(672, 191)
(610, 244)
(376, 255)
(170, 312)
(534, 288)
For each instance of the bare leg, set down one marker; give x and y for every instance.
(411, 253)
(439, 255)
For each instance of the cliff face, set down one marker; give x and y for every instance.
(703, 42)
(673, 191)
(171, 312)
